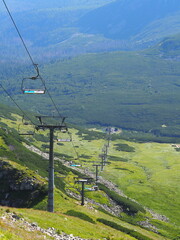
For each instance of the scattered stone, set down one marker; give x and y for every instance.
(115, 211)
(148, 225)
(14, 219)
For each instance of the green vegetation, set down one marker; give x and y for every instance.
(124, 147)
(150, 176)
(128, 205)
(132, 90)
(123, 229)
(117, 159)
(166, 229)
(140, 173)
(90, 135)
(137, 92)
(80, 215)
(169, 47)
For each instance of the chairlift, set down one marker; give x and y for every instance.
(29, 132)
(29, 85)
(93, 188)
(63, 140)
(65, 130)
(75, 165)
(31, 128)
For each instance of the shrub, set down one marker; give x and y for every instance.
(80, 215)
(124, 147)
(177, 149)
(45, 145)
(128, 205)
(118, 159)
(90, 135)
(60, 144)
(85, 156)
(116, 226)
(41, 137)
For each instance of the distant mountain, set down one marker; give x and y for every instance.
(56, 29)
(47, 27)
(125, 19)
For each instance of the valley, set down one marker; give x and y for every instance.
(89, 119)
(141, 168)
(131, 90)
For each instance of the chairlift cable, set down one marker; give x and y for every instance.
(24, 114)
(35, 66)
(33, 63)
(77, 155)
(18, 31)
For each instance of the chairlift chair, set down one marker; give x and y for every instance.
(26, 124)
(75, 165)
(93, 188)
(32, 83)
(65, 130)
(63, 140)
(26, 133)
(31, 90)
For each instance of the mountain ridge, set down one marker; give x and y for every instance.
(69, 31)
(128, 18)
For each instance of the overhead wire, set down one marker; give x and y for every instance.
(31, 59)
(35, 67)
(24, 114)
(77, 155)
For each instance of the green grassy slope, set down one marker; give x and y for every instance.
(145, 172)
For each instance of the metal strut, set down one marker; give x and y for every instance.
(37, 70)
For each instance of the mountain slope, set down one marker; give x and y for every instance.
(94, 213)
(132, 90)
(170, 47)
(60, 29)
(42, 24)
(127, 162)
(124, 19)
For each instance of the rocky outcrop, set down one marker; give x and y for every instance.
(16, 221)
(18, 187)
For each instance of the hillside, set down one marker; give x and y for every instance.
(59, 29)
(131, 90)
(168, 48)
(45, 26)
(139, 177)
(130, 18)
